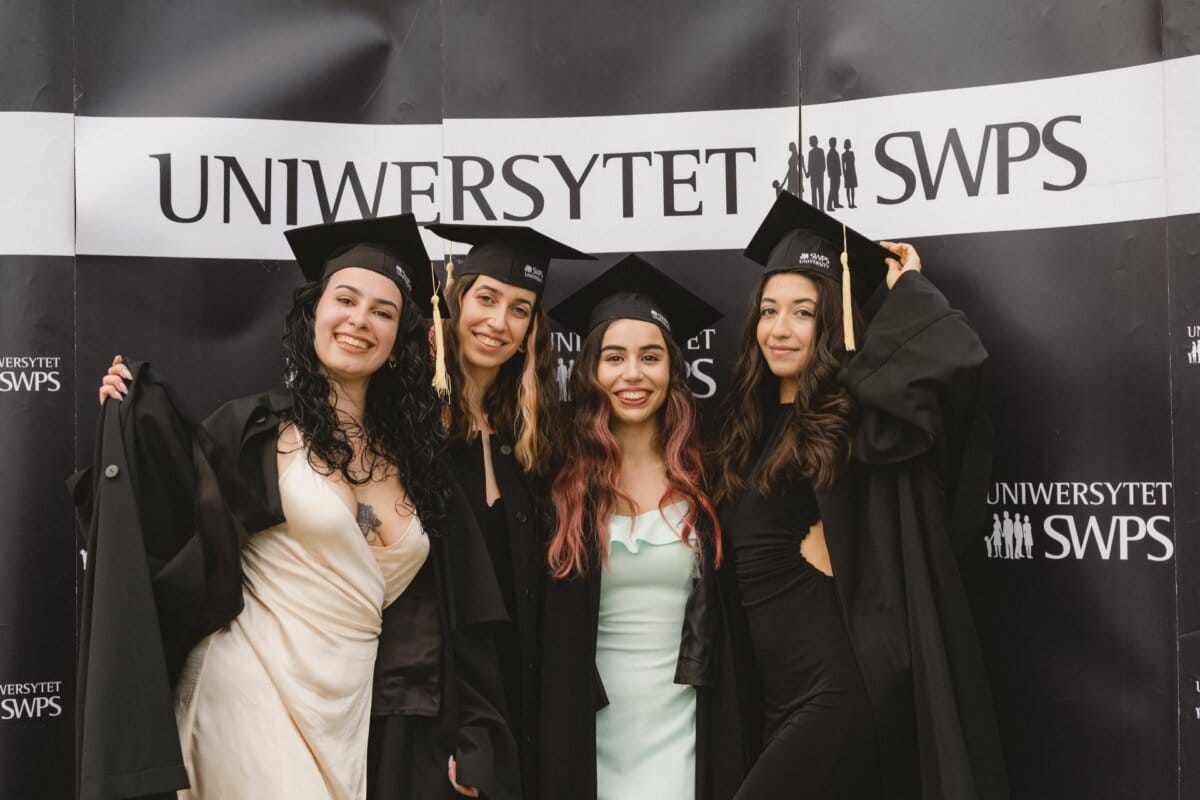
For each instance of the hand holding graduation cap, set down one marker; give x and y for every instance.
(909, 261)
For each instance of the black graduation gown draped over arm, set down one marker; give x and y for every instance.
(919, 462)
(572, 691)
(161, 575)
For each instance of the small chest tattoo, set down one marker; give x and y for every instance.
(367, 520)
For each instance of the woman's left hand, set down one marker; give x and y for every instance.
(906, 260)
(465, 791)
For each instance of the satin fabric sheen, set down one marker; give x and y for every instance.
(646, 735)
(278, 703)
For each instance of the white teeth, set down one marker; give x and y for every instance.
(489, 341)
(633, 396)
(352, 341)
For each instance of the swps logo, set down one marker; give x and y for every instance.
(1077, 521)
(30, 374)
(21, 701)
(534, 274)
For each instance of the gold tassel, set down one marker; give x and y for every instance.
(441, 380)
(449, 273)
(847, 297)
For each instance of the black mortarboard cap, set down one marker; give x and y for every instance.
(795, 236)
(633, 288)
(391, 246)
(515, 254)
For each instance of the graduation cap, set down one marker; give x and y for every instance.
(391, 246)
(633, 288)
(796, 237)
(515, 254)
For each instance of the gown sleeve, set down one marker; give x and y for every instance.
(915, 380)
(921, 459)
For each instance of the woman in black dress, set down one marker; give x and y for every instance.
(505, 436)
(836, 478)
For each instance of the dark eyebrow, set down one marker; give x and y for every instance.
(621, 349)
(355, 291)
(797, 302)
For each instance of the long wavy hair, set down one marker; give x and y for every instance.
(522, 403)
(586, 490)
(401, 422)
(816, 442)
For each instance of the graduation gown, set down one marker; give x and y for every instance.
(147, 557)
(572, 691)
(916, 484)
(515, 535)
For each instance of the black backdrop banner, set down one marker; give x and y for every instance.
(1041, 157)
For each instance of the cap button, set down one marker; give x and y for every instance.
(112, 471)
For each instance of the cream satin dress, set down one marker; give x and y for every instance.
(278, 704)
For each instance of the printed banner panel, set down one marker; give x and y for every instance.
(38, 553)
(1030, 153)
(38, 550)
(1030, 158)
(36, 38)
(1183, 236)
(366, 61)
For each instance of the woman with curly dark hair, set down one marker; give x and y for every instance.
(837, 478)
(506, 434)
(342, 480)
(632, 674)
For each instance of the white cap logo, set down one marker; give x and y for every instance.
(660, 318)
(403, 276)
(812, 260)
(533, 273)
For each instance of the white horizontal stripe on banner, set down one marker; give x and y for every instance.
(1181, 90)
(1078, 150)
(37, 203)
(228, 188)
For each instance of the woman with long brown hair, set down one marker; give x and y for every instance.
(838, 475)
(506, 434)
(631, 624)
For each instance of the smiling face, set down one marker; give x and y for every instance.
(493, 318)
(787, 327)
(355, 324)
(634, 370)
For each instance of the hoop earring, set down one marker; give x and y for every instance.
(392, 361)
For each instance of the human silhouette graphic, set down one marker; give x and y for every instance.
(849, 174)
(791, 181)
(1007, 526)
(815, 172)
(562, 374)
(992, 540)
(833, 160)
(1027, 529)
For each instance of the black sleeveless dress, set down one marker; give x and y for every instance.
(818, 731)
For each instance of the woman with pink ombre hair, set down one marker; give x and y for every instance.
(633, 649)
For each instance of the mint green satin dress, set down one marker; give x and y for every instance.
(646, 735)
